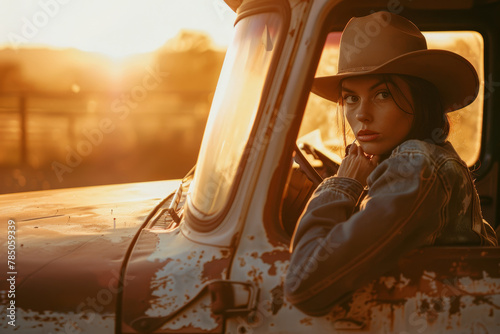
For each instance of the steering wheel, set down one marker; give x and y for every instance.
(303, 181)
(329, 168)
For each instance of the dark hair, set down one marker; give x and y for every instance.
(430, 122)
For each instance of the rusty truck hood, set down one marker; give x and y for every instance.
(70, 245)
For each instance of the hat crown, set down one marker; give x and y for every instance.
(370, 41)
(386, 43)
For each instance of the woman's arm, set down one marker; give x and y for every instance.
(335, 251)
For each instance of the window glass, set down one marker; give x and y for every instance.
(233, 111)
(322, 125)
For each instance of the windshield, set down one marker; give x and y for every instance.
(233, 111)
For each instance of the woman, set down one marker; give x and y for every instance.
(402, 186)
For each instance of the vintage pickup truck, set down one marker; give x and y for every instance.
(209, 253)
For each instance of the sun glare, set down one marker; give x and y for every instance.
(116, 28)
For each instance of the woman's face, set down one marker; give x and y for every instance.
(375, 119)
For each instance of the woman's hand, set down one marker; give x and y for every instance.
(357, 165)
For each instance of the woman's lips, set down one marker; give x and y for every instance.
(367, 135)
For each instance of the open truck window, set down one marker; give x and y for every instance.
(322, 128)
(322, 125)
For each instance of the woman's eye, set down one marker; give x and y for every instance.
(383, 95)
(351, 99)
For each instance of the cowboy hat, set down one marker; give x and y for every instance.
(386, 43)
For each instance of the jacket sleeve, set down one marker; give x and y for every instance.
(336, 251)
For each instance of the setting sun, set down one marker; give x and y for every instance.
(91, 91)
(116, 28)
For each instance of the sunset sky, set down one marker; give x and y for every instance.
(114, 27)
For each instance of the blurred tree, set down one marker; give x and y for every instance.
(68, 93)
(192, 61)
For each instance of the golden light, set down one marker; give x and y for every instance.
(117, 28)
(124, 72)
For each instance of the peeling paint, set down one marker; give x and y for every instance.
(173, 286)
(408, 309)
(197, 316)
(173, 293)
(31, 322)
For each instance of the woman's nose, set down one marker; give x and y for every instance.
(364, 113)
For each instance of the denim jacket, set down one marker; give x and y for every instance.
(422, 195)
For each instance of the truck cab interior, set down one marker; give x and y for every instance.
(468, 28)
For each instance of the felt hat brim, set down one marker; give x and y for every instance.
(454, 76)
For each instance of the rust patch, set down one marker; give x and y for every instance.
(306, 321)
(256, 275)
(424, 306)
(438, 305)
(455, 305)
(214, 269)
(272, 257)
(450, 262)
